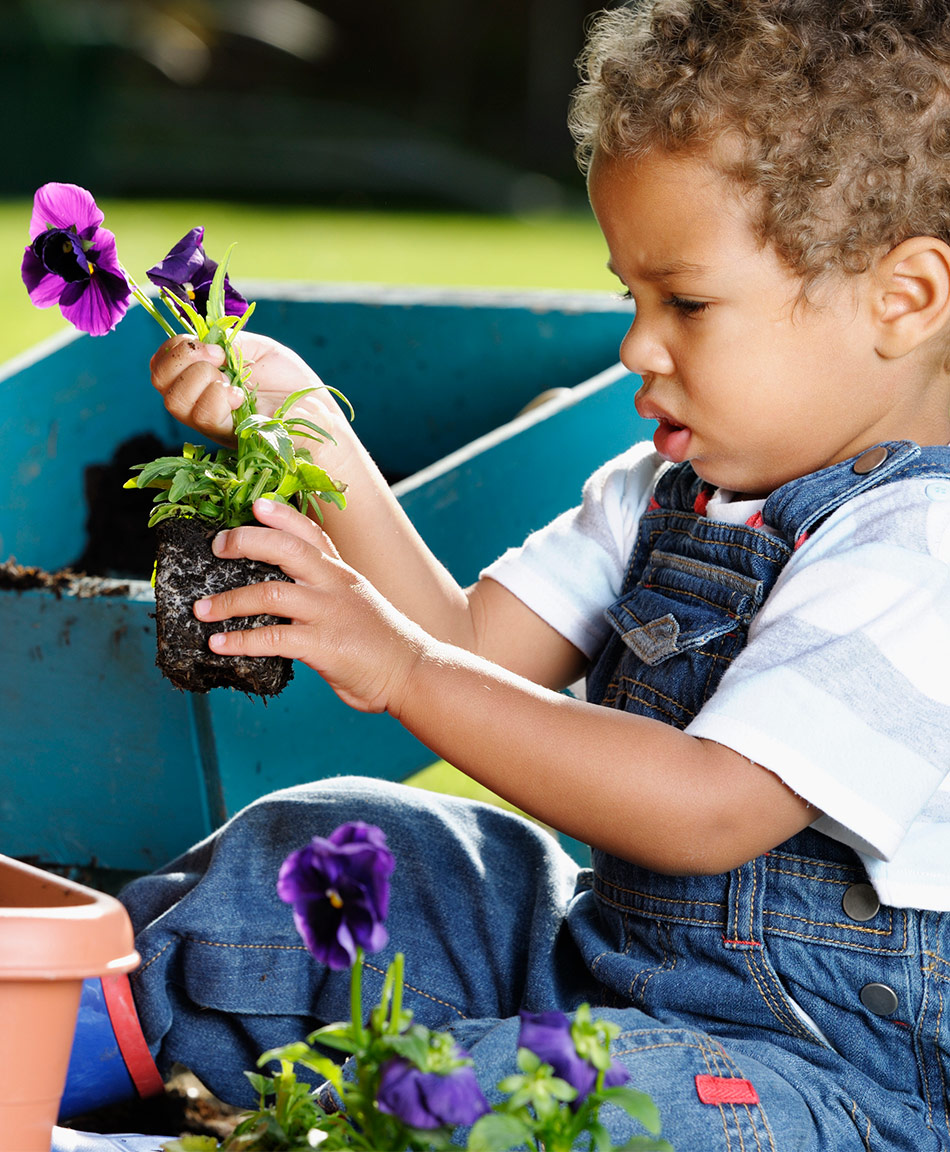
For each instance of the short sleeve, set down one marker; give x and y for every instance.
(843, 689)
(570, 571)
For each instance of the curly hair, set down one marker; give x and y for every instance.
(840, 109)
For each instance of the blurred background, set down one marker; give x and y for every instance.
(418, 141)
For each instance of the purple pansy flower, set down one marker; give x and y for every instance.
(430, 1099)
(339, 889)
(71, 260)
(187, 273)
(548, 1036)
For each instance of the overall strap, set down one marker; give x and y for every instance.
(796, 509)
(693, 585)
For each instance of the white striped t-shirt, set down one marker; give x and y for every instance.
(843, 689)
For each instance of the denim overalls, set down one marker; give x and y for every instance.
(775, 1007)
(794, 943)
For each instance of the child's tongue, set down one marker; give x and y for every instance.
(671, 441)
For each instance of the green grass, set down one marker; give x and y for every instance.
(560, 252)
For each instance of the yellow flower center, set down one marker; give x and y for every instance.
(335, 898)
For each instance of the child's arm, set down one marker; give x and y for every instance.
(373, 534)
(633, 786)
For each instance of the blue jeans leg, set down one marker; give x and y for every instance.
(477, 907)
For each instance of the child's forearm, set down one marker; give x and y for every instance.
(635, 787)
(374, 535)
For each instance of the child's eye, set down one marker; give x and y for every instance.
(625, 295)
(687, 307)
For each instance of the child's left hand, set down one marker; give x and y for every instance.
(339, 625)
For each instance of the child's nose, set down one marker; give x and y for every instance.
(642, 351)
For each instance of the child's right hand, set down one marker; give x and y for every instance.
(197, 393)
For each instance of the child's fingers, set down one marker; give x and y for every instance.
(196, 392)
(175, 353)
(272, 598)
(296, 546)
(270, 640)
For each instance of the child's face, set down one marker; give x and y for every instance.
(751, 384)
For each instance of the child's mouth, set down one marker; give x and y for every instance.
(671, 441)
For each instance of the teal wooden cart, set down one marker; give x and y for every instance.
(105, 764)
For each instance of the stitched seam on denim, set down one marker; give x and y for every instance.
(776, 1004)
(866, 1135)
(654, 1047)
(736, 890)
(939, 1062)
(667, 965)
(684, 593)
(719, 1064)
(634, 683)
(611, 701)
(824, 924)
(844, 925)
(698, 538)
(646, 896)
(705, 569)
(419, 991)
(931, 988)
(837, 942)
(932, 968)
(247, 947)
(844, 882)
(145, 963)
(851, 870)
(672, 917)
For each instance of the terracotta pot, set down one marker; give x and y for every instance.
(53, 934)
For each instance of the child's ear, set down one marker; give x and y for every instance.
(913, 295)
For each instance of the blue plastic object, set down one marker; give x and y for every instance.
(97, 1075)
(133, 772)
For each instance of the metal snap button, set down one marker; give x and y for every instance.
(879, 999)
(860, 902)
(868, 461)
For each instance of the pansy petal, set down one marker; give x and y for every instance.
(97, 304)
(183, 263)
(103, 253)
(63, 206)
(44, 288)
(454, 1098)
(428, 1100)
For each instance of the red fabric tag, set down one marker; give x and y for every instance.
(725, 1090)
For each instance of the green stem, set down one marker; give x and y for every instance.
(356, 998)
(152, 310)
(396, 1012)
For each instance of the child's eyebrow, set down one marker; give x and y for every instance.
(665, 271)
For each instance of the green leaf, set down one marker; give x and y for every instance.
(636, 1104)
(413, 1046)
(191, 1143)
(292, 399)
(290, 1052)
(321, 435)
(495, 1131)
(334, 1036)
(242, 320)
(216, 291)
(195, 318)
